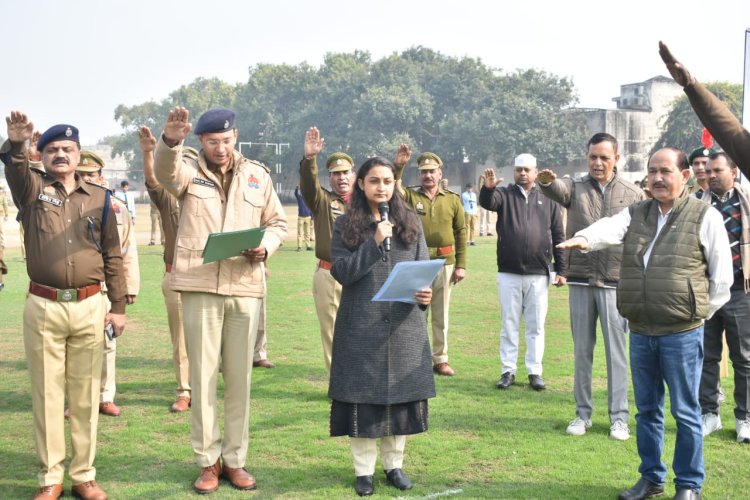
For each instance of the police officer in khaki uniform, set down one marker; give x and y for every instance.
(220, 191)
(71, 247)
(325, 206)
(169, 208)
(90, 170)
(444, 224)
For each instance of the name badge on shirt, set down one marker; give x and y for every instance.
(204, 182)
(52, 201)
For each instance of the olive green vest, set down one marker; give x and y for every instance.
(671, 294)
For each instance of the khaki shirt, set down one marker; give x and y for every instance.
(128, 246)
(206, 208)
(169, 209)
(325, 206)
(63, 232)
(442, 219)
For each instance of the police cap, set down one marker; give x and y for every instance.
(429, 161)
(339, 162)
(61, 132)
(90, 162)
(215, 120)
(700, 152)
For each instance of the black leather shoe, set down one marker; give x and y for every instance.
(536, 382)
(398, 479)
(363, 486)
(506, 380)
(687, 494)
(642, 489)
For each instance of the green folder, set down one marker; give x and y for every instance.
(231, 244)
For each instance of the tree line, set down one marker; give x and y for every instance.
(457, 107)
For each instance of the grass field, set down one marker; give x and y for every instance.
(482, 442)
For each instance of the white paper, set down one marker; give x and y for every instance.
(407, 278)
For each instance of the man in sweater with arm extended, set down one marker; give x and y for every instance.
(592, 279)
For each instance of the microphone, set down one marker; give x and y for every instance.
(383, 209)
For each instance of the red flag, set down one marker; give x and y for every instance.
(707, 139)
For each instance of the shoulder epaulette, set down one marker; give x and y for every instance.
(257, 163)
(451, 192)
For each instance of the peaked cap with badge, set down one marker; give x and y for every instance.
(339, 162)
(90, 162)
(429, 161)
(61, 132)
(215, 120)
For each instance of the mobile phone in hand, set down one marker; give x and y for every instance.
(109, 331)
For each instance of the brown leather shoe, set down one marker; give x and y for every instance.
(182, 404)
(263, 363)
(49, 492)
(208, 481)
(88, 491)
(443, 369)
(239, 477)
(109, 408)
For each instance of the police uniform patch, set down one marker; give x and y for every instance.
(52, 201)
(226, 123)
(419, 207)
(253, 182)
(202, 181)
(68, 132)
(336, 208)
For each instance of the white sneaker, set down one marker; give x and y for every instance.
(578, 427)
(619, 431)
(743, 430)
(711, 423)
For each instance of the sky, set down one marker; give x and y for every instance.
(75, 62)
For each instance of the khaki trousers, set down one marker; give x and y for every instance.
(261, 343)
(365, 454)
(327, 296)
(64, 344)
(156, 227)
(179, 353)
(471, 224)
(108, 386)
(439, 309)
(303, 231)
(220, 329)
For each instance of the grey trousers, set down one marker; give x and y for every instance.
(587, 304)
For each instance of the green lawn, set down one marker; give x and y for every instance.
(482, 443)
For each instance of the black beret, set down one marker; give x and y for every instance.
(215, 120)
(61, 132)
(700, 152)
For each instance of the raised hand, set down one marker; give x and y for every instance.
(546, 176)
(679, 73)
(178, 126)
(20, 129)
(403, 155)
(314, 144)
(34, 154)
(147, 140)
(490, 181)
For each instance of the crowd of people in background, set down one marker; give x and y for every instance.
(664, 263)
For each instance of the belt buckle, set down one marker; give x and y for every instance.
(67, 295)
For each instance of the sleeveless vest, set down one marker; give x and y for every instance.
(671, 294)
